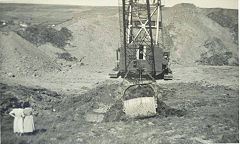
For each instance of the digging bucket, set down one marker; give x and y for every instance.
(139, 101)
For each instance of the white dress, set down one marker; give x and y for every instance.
(18, 120)
(28, 124)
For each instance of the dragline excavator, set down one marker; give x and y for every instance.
(142, 55)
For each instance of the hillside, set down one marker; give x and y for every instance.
(21, 58)
(193, 35)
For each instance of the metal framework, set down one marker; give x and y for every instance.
(141, 29)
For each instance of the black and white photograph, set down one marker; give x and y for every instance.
(119, 71)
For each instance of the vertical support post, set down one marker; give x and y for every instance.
(158, 15)
(129, 23)
(150, 31)
(117, 53)
(161, 22)
(124, 35)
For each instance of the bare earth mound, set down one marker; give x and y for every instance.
(195, 37)
(19, 57)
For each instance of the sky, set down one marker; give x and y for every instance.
(232, 4)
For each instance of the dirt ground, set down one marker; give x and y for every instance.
(76, 101)
(195, 109)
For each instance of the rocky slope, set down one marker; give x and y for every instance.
(193, 35)
(21, 58)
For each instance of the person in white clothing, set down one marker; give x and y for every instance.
(18, 115)
(23, 119)
(28, 122)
